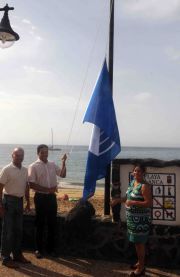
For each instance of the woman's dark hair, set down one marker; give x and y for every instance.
(141, 166)
(40, 147)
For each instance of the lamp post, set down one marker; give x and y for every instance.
(7, 35)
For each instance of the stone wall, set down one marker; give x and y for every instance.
(108, 241)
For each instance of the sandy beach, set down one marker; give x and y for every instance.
(73, 195)
(97, 200)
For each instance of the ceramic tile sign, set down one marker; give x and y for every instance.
(164, 195)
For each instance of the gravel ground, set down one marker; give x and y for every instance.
(73, 267)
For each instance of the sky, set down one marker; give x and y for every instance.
(58, 58)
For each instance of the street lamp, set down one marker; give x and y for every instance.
(7, 35)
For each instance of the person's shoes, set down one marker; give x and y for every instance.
(21, 259)
(10, 263)
(38, 254)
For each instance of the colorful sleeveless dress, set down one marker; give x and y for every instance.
(138, 218)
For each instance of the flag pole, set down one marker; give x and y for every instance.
(110, 65)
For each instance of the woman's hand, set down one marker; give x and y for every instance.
(129, 203)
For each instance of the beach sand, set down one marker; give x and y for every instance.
(74, 194)
(97, 200)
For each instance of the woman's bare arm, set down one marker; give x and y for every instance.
(147, 195)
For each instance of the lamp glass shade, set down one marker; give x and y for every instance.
(6, 40)
(7, 44)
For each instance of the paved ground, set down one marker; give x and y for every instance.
(73, 267)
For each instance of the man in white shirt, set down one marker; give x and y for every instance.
(13, 186)
(42, 178)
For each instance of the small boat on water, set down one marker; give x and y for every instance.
(51, 147)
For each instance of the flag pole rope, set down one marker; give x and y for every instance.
(83, 85)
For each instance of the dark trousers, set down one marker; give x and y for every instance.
(12, 226)
(116, 213)
(46, 212)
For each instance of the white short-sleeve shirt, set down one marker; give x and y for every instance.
(43, 174)
(14, 180)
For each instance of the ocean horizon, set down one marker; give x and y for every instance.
(77, 156)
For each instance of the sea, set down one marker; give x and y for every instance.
(77, 156)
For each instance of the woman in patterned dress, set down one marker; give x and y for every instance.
(138, 203)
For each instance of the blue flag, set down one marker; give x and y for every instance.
(105, 143)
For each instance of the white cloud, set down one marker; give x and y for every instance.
(15, 103)
(39, 38)
(172, 53)
(2, 93)
(143, 97)
(26, 21)
(152, 9)
(31, 69)
(32, 27)
(6, 53)
(15, 16)
(34, 114)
